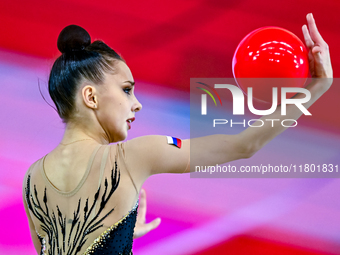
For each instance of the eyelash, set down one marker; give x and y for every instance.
(127, 91)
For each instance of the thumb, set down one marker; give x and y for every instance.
(317, 53)
(154, 224)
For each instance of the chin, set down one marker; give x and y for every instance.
(118, 137)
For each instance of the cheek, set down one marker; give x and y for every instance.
(107, 110)
(115, 113)
(115, 110)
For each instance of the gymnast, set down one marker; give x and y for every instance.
(82, 197)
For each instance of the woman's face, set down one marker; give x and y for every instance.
(117, 103)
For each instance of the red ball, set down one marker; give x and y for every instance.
(270, 52)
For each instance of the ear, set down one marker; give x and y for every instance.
(89, 94)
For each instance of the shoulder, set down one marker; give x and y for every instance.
(143, 146)
(154, 154)
(150, 142)
(31, 169)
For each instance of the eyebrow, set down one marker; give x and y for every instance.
(131, 82)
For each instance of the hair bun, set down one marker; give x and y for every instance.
(73, 38)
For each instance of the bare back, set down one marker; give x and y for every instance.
(76, 196)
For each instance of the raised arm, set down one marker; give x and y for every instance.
(322, 74)
(253, 139)
(151, 154)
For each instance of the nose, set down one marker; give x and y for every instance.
(137, 106)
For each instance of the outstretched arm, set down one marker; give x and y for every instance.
(152, 155)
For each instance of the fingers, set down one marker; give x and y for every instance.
(313, 30)
(317, 52)
(313, 39)
(143, 229)
(308, 40)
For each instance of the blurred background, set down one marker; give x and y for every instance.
(165, 43)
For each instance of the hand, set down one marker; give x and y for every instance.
(141, 227)
(319, 59)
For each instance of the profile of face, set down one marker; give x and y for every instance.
(116, 103)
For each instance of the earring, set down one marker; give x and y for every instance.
(95, 106)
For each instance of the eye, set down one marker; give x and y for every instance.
(127, 90)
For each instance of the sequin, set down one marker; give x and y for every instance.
(43, 244)
(118, 238)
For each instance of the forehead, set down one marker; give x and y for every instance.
(122, 72)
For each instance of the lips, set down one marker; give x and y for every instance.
(129, 121)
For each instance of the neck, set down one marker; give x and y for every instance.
(74, 132)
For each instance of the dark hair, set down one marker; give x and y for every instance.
(80, 60)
